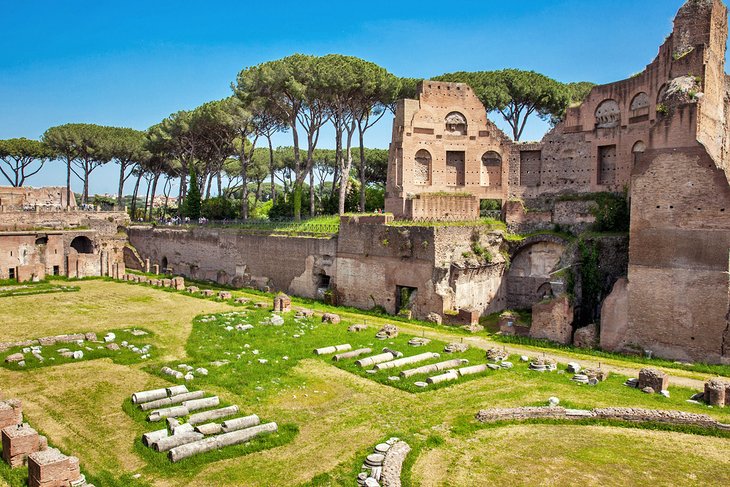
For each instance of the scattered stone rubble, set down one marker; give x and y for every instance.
(383, 466)
(387, 331)
(331, 318)
(588, 376)
(497, 355)
(717, 392)
(456, 348)
(543, 365)
(81, 340)
(200, 433)
(304, 313)
(418, 342)
(357, 328)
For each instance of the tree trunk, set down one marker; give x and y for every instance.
(298, 179)
(272, 168)
(363, 176)
(154, 192)
(68, 181)
(122, 167)
(134, 197)
(209, 178)
(347, 167)
(244, 185)
(220, 183)
(311, 193)
(147, 199)
(85, 195)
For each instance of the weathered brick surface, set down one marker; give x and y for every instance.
(553, 320)
(18, 442)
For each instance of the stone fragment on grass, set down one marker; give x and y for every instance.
(331, 318)
(456, 348)
(14, 358)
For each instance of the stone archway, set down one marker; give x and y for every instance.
(83, 245)
(532, 269)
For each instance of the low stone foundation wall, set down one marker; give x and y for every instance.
(393, 464)
(637, 415)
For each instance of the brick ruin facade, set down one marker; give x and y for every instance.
(40, 237)
(662, 134)
(445, 156)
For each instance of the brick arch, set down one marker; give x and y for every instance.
(531, 268)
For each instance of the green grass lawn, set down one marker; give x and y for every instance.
(331, 414)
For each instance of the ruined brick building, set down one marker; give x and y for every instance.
(661, 134)
(40, 235)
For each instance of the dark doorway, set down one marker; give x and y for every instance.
(11, 273)
(56, 270)
(404, 298)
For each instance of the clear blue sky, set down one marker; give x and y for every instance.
(132, 63)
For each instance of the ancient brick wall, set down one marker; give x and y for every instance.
(680, 236)
(27, 197)
(375, 261)
(296, 265)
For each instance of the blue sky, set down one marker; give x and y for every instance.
(132, 63)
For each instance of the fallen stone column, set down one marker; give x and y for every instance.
(169, 442)
(171, 401)
(197, 404)
(176, 390)
(428, 369)
(375, 359)
(352, 354)
(153, 436)
(333, 349)
(174, 412)
(206, 416)
(474, 369)
(182, 428)
(147, 396)
(220, 441)
(209, 428)
(436, 379)
(406, 361)
(240, 423)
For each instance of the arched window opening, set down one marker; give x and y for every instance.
(638, 149)
(491, 169)
(422, 168)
